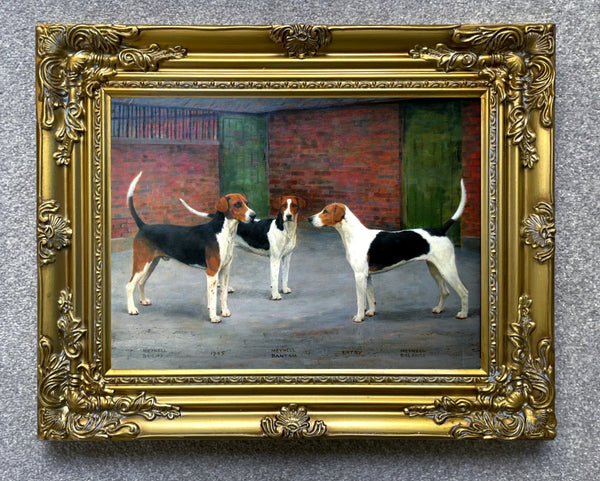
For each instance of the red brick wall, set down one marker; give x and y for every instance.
(471, 149)
(171, 170)
(347, 154)
(351, 155)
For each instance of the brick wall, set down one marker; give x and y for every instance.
(471, 149)
(347, 154)
(172, 170)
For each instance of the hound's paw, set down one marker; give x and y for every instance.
(358, 319)
(437, 310)
(133, 312)
(225, 313)
(215, 319)
(145, 302)
(286, 290)
(275, 297)
(370, 313)
(461, 315)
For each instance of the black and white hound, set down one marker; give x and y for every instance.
(209, 246)
(276, 238)
(371, 251)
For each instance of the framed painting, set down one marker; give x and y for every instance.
(358, 223)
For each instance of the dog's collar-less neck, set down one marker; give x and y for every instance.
(287, 226)
(221, 223)
(290, 228)
(350, 227)
(350, 222)
(230, 226)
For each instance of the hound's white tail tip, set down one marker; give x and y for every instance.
(463, 201)
(133, 184)
(194, 211)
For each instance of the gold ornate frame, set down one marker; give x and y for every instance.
(510, 68)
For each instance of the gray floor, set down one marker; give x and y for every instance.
(310, 328)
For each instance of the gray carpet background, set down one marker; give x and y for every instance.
(575, 454)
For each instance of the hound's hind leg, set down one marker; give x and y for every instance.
(143, 263)
(142, 284)
(444, 292)
(136, 279)
(450, 274)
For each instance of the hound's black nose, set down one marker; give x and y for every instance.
(252, 217)
(310, 219)
(288, 216)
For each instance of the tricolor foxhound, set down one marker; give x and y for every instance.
(209, 246)
(276, 238)
(371, 251)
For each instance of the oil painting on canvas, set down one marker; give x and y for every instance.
(393, 163)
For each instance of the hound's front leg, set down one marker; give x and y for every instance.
(285, 273)
(361, 292)
(224, 275)
(211, 291)
(275, 265)
(370, 296)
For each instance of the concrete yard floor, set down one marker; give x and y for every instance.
(311, 328)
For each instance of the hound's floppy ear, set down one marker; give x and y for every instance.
(339, 212)
(276, 202)
(223, 205)
(301, 202)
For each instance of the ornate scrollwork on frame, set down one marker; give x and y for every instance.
(301, 41)
(516, 403)
(53, 231)
(519, 61)
(292, 422)
(74, 61)
(538, 230)
(74, 402)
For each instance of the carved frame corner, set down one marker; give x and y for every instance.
(519, 61)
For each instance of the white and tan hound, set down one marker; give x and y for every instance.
(371, 251)
(276, 238)
(209, 246)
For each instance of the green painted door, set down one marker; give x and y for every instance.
(242, 157)
(432, 163)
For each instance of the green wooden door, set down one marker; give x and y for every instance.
(242, 157)
(432, 163)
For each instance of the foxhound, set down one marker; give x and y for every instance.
(209, 246)
(276, 238)
(371, 251)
